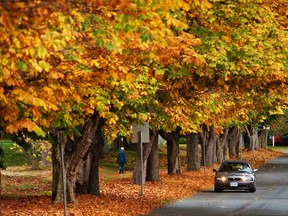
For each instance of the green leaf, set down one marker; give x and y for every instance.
(39, 131)
(44, 65)
(40, 52)
(21, 65)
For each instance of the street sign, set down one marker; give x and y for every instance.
(145, 132)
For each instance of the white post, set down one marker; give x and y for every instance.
(266, 128)
(273, 141)
(142, 163)
(240, 145)
(63, 171)
(204, 153)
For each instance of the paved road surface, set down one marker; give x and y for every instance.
(270, 199)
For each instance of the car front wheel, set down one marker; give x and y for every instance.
(217, 189)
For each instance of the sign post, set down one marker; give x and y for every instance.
(142, 163)
(63, 171)
(204, 153)
(266, 128)
(140, 136)
(144, 128)
(240, 145)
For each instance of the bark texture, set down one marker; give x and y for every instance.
(74, 152)
(87, 181)
(173, 154)
(193, 159)
(137, 174)
(233, 141)
(220, 146)
(210, 148)
(152, 172)
(252, 138)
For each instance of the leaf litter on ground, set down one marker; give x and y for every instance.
(118, 195)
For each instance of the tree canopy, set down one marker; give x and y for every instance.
(180, 63)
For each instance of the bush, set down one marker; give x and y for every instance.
(182, 140)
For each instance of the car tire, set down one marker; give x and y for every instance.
(217, 189)
(252, 190)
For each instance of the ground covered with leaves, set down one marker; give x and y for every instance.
(118, 195)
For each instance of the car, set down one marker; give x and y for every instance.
(235, 175)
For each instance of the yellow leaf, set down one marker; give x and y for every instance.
(206, 4)
(40, 52)
(129, 77)
(11, 81)
(36, 66)
(5, 72)
(12, 128)
(111, 121)
(95, 63)
(114, 75)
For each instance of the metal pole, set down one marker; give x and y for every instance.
(240, 145)
(266, 137)
(204, 157)
(266, 128)
(141, 157)
(63, 171)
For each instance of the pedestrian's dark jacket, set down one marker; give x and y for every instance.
(121, 157)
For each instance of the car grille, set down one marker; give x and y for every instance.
(234, 179)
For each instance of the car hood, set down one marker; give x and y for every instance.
(234, 174)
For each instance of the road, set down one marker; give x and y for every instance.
(271, 197)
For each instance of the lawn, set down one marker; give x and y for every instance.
(12, 156)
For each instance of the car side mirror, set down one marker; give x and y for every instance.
(255, 170)
(215, 170)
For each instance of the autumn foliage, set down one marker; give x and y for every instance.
(180, 63)
(118, 195)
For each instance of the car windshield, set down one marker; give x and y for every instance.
(239, 167)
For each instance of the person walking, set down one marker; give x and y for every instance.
(121, 159)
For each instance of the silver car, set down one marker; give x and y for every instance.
(235, 175)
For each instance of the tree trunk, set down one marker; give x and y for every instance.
(173, 157)
(252, 136)
(136, 177)
(87, 181)
(210, 146)
(57, 187)
(221, 142)
(262, 138)
(233, 140)
(152, 172)
(193, 160)
(97, 153)
(74, 152)
(94, 184)
(173, 154)
(82, 179)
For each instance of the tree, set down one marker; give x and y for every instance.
(87, 180)
(69, 65)
(193, 159)
(84, 64)
(152, 171)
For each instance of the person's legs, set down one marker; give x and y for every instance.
(121, 167)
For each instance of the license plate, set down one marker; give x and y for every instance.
(233, 184)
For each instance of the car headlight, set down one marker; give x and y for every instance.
(221, 178)
(247, 178)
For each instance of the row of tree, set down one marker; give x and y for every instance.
(92, 68)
